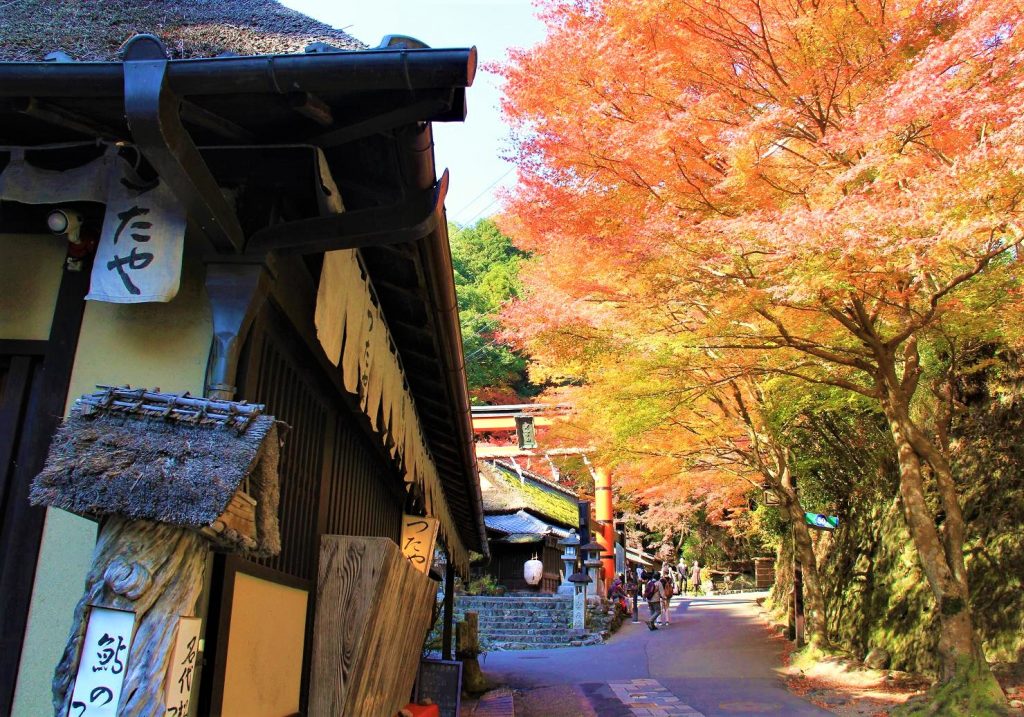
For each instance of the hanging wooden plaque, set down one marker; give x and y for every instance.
(418, 536)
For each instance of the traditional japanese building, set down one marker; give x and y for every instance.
(512, 432)
(526, 515)
(243, 205)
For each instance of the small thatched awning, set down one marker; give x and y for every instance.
(168, 466)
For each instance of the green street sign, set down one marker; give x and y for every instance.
(821, 522)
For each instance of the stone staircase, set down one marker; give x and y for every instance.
(523, 622)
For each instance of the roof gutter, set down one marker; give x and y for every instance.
(446, 310)
(359, 70)
(446, 313)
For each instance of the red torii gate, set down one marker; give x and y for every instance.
(502, 420)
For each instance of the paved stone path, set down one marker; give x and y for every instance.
(649, 699)
(716, 659)
(496, 703)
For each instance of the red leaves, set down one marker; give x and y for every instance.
(776, 187)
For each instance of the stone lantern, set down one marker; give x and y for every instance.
(579, 581)
(569, 544)
(591, 554)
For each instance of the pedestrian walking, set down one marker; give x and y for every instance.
(633, 589)
(684, 574)
(617, 594)
(695, 576)
(666, 599)
(653, 593)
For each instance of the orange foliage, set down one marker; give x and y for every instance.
(812, 189)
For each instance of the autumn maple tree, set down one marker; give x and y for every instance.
(684, 434)
(820, 190)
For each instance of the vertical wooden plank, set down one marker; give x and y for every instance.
(372, 615)
(449, 609)
(13, 397)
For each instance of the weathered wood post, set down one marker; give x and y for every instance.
(467, 649)
(449, 609)
(169, 476)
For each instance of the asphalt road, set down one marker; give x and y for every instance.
(716, 659)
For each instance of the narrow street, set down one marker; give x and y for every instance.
(716, 658)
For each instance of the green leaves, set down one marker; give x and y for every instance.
(486, 277)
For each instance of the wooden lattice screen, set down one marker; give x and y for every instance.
(332, 480)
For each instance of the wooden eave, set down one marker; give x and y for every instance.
(255, 123)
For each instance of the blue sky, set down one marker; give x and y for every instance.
(472, 151)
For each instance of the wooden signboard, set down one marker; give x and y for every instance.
(104, 663)
(373, 610)
(418, 536)
(440, 681)
(181, 671)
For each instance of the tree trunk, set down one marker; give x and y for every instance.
(803, 550)
(783, 573)
(156, 571)
(968, 686)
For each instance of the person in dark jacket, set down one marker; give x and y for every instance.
(654, 594)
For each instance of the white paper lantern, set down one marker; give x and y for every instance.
(533, 571)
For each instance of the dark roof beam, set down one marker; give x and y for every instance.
(211, 122)
(438, 407)
(422, 333)
(400, 302)
(61, 117)
(423, 110)
(408, 221)
(431, 390)
(153, 117)
(311, 107)
(413, 294)
(422, 369)
(430, 416)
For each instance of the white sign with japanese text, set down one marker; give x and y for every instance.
(143, 235)
(139, 255)
(418, 535)
(103, 663)
(181, 671)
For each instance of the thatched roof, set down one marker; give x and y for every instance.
(94, 30)
(169, 471)
(508, 494)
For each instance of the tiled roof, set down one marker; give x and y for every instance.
(521, 522)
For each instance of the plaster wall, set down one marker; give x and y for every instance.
(151, 345)
(30, 273)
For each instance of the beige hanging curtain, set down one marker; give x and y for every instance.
(352, 330)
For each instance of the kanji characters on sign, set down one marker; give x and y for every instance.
(181, 672)
(103, 664)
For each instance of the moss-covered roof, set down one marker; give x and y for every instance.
(94, 30)
(508, 494)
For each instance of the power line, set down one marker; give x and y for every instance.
(485, 190)
(476, 216)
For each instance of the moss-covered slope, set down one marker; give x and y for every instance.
(878, 596)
